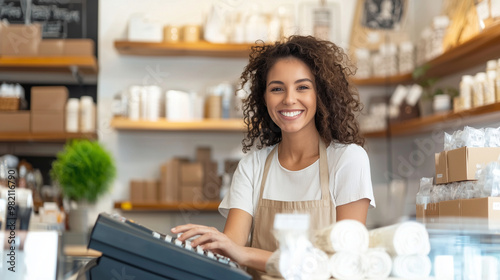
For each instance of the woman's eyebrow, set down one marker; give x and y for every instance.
(296, 82)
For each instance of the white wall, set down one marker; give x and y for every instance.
(139, 154)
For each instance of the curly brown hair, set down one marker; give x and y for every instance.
(337, 99)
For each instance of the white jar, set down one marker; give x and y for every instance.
(134, 103)
(87, 118)
(466, 91)
(491, 74)
(153, 100)
(441, 103)
(479, 89)
(72, 114)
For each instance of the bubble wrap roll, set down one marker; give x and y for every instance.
(378, 264)
(406, 238)
(347, 265)
(411, 266)
(345, 235)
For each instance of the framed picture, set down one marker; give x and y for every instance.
(383, 14)
(320, 20)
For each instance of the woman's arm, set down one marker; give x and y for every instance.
(356, 210)
(231, 243)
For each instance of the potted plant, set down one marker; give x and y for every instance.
(84, 171)
(426, 100)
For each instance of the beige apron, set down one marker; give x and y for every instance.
(322, 212)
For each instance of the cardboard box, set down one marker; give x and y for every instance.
(20, 39)
(485, 207)
(420, 213)
(450, 208)
(441, 167)
(170, 180)
(151, 191)
(203, 154)
(462, 162)
(432, 211)
(47, 121)
(15, 121)
(191, 174)
(191, 194)
(49, 98)
(211, 181)
(137, 191)
(78, 47)
(51, 47)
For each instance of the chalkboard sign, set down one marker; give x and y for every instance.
(59, 18)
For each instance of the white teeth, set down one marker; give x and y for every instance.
(290, 114)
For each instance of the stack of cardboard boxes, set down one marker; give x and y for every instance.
(460, 165)
(181, 180)
(47, 112)
(47, 108)
(26, 40)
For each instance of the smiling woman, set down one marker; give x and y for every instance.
(301, 109)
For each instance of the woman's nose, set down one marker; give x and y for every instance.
(290, 97)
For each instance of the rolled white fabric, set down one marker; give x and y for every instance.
(411, 266)
(313, 265)
(378, 264)
(347, 265)
(406, 238)
(343, 236)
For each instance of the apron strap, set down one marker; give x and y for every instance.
(266, 170)
(323, 171)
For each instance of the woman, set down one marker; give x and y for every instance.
(301, 109)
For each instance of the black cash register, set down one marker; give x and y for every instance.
(131, 252)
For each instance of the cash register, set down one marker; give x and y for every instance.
(132, 251)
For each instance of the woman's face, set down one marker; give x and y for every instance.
(291, 96)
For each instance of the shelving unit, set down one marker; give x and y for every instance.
(234, 125)
(44, 137)
(479, 49)
(206, 206)
(183, 49)
(50, 69)
(440, 121)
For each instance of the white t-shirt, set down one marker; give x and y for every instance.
(349, 179)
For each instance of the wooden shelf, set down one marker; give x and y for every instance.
(207, 206)
(375, 134)
(235, 125)
(84, 64)
(441, 121)
(183, 49)
(477, 50)
(392, 80)
(44, 137)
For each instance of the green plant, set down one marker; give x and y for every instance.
(419, 75)
(84, 170)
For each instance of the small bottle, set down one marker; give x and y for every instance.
(479, 89)
(72, 108)
(87, 118)
(491, 74)
(466, 89)
(134, 103)
(497, 82)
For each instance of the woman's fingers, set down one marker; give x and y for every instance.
(191, 230)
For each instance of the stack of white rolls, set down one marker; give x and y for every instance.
(348, 241)
(409, 246)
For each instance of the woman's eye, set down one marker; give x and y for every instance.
(303, 87)
(276, 89)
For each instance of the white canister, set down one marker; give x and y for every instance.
(479, 89)
(87, 115)
(134, 103)
(466, 89)
(441, 103)
(153, 100)
(72, 114)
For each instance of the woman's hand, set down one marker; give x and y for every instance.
(211, 239)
